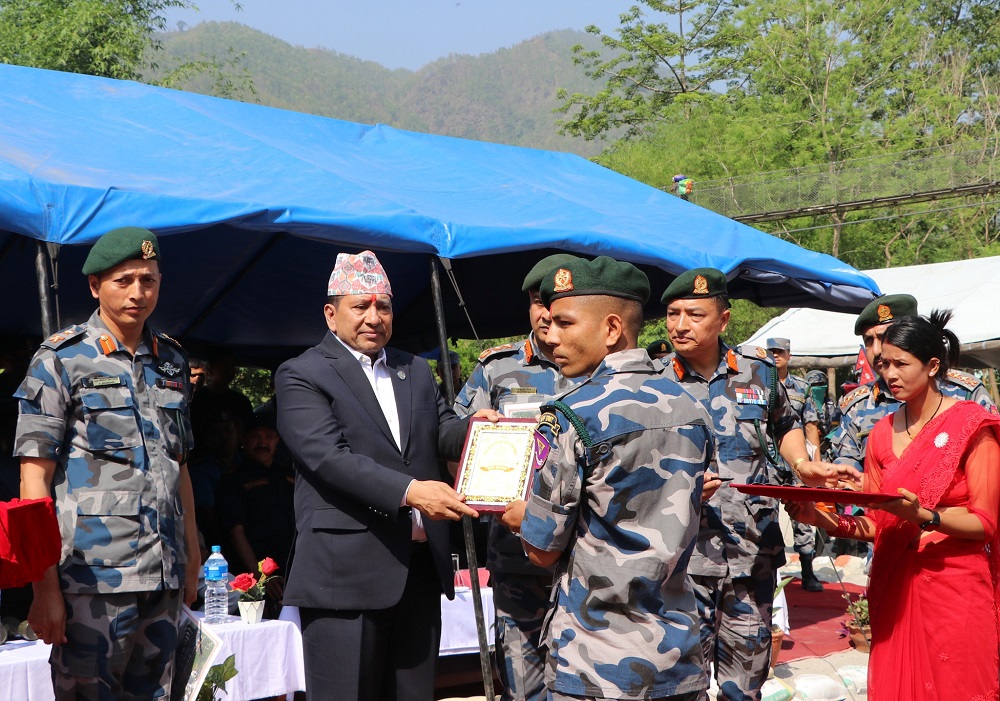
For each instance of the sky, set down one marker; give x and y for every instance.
(408, 33)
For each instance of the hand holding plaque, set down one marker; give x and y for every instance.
(496, 465)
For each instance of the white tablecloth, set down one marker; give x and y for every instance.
(268, 658)
(458, 621)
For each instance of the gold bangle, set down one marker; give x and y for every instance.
(795, 466)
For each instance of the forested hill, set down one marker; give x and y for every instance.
(505, 97)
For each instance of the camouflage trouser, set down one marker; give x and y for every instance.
(119, 646)
(736, 630)
(521, 601)
(805, 538)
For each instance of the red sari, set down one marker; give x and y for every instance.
(934, 598)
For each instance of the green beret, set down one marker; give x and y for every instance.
(697, 283)
(658, 346)
(118, 245)
(601, 276)
(885, 309)
(533, 280)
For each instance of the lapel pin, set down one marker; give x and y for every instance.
(401, 375)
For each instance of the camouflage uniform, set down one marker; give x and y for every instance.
(739, 544)
(118, 428)
(865, 406)
(515, 379)
(621, 498)
(797, 390)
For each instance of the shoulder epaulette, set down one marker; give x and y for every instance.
(756, 353)
(168, 339)
(855, 395)
(963, 379)
(62, 337)
(505, 349)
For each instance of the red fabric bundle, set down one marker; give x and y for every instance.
(29, 540)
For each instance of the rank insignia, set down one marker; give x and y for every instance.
(884, 313)
(169, 369)
(750, 395)
(700, 285)
(147, 250)
(563, 281)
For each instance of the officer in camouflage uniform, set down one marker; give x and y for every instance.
(863, 407)
(739, 544)
(516, 379)
(822, 410)
(103, 428)
(798, 391)
(620, 460)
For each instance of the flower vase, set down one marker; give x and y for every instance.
(859, 636)
(251, 611)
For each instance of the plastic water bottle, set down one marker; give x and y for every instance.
(216, 589)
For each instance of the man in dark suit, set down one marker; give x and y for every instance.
(367, 426)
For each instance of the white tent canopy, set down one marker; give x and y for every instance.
(969, 287)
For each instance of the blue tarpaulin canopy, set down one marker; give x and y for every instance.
(253, 203)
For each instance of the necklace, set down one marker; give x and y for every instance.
(906, 417)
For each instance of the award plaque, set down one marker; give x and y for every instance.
(496, 465)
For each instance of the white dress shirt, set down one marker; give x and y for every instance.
(380, 379)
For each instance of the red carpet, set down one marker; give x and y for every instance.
(815, 619)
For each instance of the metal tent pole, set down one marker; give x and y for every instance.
(45, 297)
(470, 544)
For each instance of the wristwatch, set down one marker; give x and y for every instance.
(933, 524)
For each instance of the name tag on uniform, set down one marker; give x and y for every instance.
(524, 390)
(102, 382)
(750, 395)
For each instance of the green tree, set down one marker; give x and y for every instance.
(108, 38)
(656, 64)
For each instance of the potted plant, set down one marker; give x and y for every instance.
(858, 626)
(252, 590)
(777, 634)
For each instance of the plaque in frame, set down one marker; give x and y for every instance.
(497, 463)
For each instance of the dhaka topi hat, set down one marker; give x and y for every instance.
(359, 274)
(120, 245)
(883, 310)
(695, 284)
(533, 280)
(778, 344)
(601, 276)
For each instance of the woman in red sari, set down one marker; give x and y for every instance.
(933, 591)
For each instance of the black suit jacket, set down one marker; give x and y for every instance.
(353, 544)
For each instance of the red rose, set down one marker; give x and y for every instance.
(268, 566)
(244, 582)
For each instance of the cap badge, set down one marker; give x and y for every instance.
(147, 250)
(563, 280)
(884, 313)
(700, 285)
